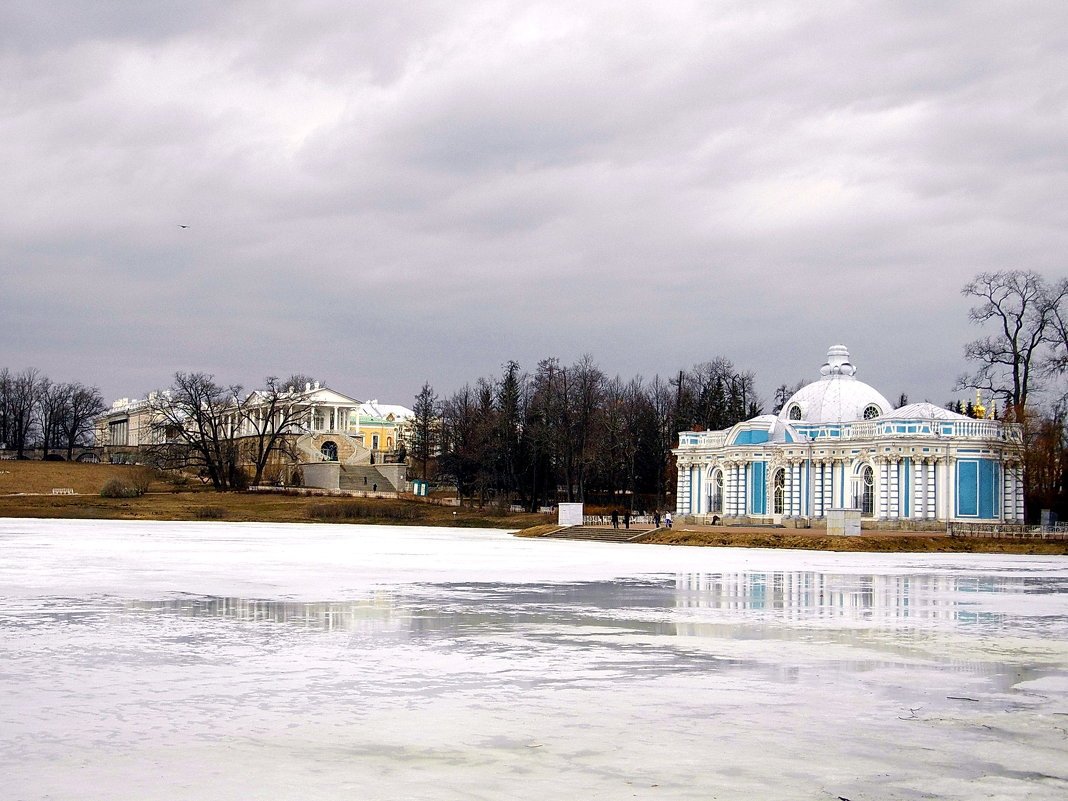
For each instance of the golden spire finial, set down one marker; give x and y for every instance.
(980, 410)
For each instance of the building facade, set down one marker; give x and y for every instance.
(328, 426)
(839, 444)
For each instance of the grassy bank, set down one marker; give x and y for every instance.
(26, 491)
(882, 542)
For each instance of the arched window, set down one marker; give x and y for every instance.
(795, 412)
(867, 492)
(716, 506)
(871, 411)
(778, 503)
(329, 451)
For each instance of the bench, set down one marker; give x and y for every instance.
(62, 491)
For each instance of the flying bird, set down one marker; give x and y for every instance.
(182, 226)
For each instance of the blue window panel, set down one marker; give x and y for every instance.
(758, 489)
(751, 437)
(968, 488)
(997, 489)
(987, 488)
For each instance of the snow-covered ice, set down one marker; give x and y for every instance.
(243, 661)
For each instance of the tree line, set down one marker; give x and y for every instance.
(1022, 362)
(570, 432)
(37, 412)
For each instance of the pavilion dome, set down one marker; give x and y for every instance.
(924, 411)
(837, 397)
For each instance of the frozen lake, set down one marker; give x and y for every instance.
(240, 661)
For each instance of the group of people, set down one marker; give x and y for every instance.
(626, 519)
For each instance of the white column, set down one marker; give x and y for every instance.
(828, 486)
(932, 486)
(799, 489)
(882, 506)
(682, 491)
(919, 489)
(896, 495)
(736, 489)
(945, 492)
(1017, 494)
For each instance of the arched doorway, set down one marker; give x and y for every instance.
(867, 491)
(716, 505)
(778, 500)
(329, 451)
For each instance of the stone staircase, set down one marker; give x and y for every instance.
(598, 534)
(363, 478)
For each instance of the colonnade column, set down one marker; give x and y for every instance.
(1019, 492)
(799, 491)
(1008, 501)
(682, 490)
(882, 507)
(1014, 485)
(945, 506)
(730, 489)
(919, 493)
(817, 489)
(828, 485)
(930, 509)
(894, 501)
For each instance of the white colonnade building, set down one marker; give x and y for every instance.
(838, 443)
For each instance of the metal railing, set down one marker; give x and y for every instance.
(1056, 531)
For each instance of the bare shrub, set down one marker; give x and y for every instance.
(209, 513)
(365, 510)
(121, 488)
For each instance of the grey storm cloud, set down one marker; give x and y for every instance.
(386, 193)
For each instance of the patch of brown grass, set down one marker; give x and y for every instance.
(41, 478)
(885, 543)
(538, 531)
(163, 501)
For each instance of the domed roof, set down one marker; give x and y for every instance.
(837, 397)
(924, 411)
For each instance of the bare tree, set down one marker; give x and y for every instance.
(1023, 309)
(85, 405)
(20, 402)
(53, 406)
(268, 416)
(196, 423)
(298, 382)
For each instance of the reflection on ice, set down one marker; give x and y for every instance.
(341, 662)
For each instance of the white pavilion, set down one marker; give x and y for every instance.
(839, 444)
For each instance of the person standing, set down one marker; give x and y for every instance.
(667, 519)
(656, 518)
(615, 518)
(626, 520)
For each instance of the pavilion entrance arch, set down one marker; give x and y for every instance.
(778, 494)
(715, 491)
(864, 489)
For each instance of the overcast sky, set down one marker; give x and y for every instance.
(386, 193)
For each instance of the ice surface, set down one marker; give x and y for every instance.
(233, 661)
